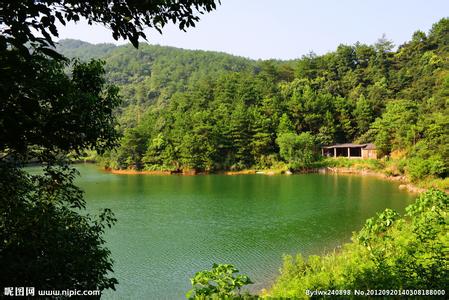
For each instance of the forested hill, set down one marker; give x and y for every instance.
(204, 110)
(83, 50)
(154, 73)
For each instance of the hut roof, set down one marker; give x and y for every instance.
(368, 146)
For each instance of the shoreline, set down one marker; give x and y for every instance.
(404, 183)
(135, 172)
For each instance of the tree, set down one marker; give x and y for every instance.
(438, 35)
(262, 141)
(363, 115)
(326, 134)
(44, 109)
(285, 125)
(132, 148)
(393, 130)
(383, 59)
(240, 135)
(45, 241)
(155, 147)
(297, 150)
(21, 20)
(198, 145)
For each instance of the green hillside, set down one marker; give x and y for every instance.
(154, 73)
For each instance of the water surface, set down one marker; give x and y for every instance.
(169, 227)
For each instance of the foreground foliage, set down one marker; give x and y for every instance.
(44, 241)
(221, 282)
(50, 109)
(126, 19)
(390, 252)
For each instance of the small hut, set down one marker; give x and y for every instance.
(363, 151)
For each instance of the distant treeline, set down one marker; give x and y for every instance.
(202, 110)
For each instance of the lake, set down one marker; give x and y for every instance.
(169, 227)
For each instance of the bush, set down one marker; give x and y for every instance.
(418, 168)
(401, 166)
(218, 283)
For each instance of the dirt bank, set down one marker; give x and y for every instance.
(135, 172)
(405, 184)
(241, 172)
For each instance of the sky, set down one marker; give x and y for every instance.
(288, 29)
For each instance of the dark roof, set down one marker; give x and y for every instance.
(368, 146)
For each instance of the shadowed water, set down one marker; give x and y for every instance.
(169, 227)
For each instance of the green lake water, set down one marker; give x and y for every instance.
(169, 227)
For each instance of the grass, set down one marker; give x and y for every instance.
(275, 169)
(432, 182)
(358, 164)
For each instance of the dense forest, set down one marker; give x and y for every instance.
(211, 111)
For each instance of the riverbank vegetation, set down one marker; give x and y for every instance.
(391, 252)
(397, 169)
(206, 111)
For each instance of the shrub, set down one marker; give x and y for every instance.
(218, 283)
(418, 168)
